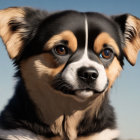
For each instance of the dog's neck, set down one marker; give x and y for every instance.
(53, 104)
(62, 114)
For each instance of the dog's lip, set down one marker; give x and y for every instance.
(89, 89)
(88, 92)
(84, 94)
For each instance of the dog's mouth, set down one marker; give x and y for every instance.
(83, 92)
(87, 93)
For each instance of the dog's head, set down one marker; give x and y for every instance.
(79, 54)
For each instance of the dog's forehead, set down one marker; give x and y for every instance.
(98, 23)
(65, 20)
(75, 22)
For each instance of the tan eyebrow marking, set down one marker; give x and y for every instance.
(105, 38)
(66, 35)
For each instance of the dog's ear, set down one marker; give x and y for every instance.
(17, 27)
(130, 27)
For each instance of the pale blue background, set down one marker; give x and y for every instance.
(125, 96)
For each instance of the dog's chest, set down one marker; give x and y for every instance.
(66, 126)
(20, 134)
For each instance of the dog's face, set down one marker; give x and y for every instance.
(84, 50)
(79, 54)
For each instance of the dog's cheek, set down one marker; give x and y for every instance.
(50, 66)
(39, 70)
(113, 71)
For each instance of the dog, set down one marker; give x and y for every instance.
(66, 63)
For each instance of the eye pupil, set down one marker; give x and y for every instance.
(106, 54)
(61, 50)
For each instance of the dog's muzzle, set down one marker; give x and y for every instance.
(83, 82)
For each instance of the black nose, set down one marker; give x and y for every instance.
(88, 75)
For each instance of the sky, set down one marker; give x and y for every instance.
(125, 95)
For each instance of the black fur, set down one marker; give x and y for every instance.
(21, 113)
(104, 119)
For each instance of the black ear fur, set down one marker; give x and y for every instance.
(130, 27)
(18, 25)
(121, 20)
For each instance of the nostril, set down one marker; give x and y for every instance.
(94, 75)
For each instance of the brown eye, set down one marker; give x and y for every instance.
(106, 53)
(61, 50)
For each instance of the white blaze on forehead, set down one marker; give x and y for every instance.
(86, 37)
(70, 72)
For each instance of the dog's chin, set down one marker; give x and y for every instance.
(84, 94)
(80, 93)
(88, 93)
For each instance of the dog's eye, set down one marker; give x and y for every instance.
(61, 50)
(106, 53)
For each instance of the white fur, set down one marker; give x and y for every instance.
(86, 37)
(84, 94)
(107, 134)
(18, 134)
(70, 73)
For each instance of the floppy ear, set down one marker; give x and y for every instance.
(17, 27)
(130, 27)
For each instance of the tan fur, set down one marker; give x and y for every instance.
(42, 66)
(72, 123)
(95, 107)
(66, 35)
(104, 38)
(132, 46)
(11, 40)
(113, 71)
(38, 75)
(57, 127)
(54, 138)
(49, 60)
